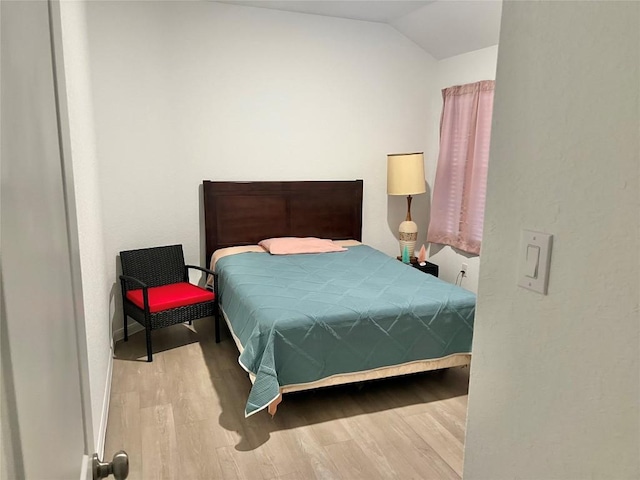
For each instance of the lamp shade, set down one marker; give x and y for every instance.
(405, 174)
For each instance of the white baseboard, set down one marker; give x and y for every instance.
(102, 433)
(133, 328)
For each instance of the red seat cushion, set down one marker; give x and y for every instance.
(171, 296)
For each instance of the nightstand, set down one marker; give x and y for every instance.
(430, 268)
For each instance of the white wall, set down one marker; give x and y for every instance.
(554, 387)
(96, 284)
(467, 68)
(189, 91)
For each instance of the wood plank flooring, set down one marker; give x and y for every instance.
(182, 417)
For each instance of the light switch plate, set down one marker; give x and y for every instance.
(543, 241)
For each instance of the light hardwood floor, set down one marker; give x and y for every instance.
(182, 417)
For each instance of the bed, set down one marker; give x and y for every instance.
(308, 321)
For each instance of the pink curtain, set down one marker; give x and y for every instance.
(459, 191)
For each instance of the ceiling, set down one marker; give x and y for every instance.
(443, 28)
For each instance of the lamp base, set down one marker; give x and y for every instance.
(412, 260)
(408, 234)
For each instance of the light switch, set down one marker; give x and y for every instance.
(534, 260)
(533, 256)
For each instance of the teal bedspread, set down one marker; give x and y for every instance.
(302, 318)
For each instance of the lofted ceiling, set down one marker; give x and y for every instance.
(443, 28)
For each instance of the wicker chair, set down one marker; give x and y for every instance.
(156, 291)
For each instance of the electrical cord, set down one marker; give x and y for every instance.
(460, 276)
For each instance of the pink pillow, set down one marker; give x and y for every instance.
(294, 245)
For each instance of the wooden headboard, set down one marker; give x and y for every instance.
(243, 213)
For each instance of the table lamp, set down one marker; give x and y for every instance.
(405, 176)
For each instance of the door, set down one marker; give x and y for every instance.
(46, 409)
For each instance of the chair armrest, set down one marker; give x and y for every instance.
(205, 270)
(209, 286)
(144, 286)
(127, 278)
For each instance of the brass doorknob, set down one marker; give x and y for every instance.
(118, 467)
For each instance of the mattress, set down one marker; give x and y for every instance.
(303, 318)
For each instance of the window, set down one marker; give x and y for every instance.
(459, 191)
